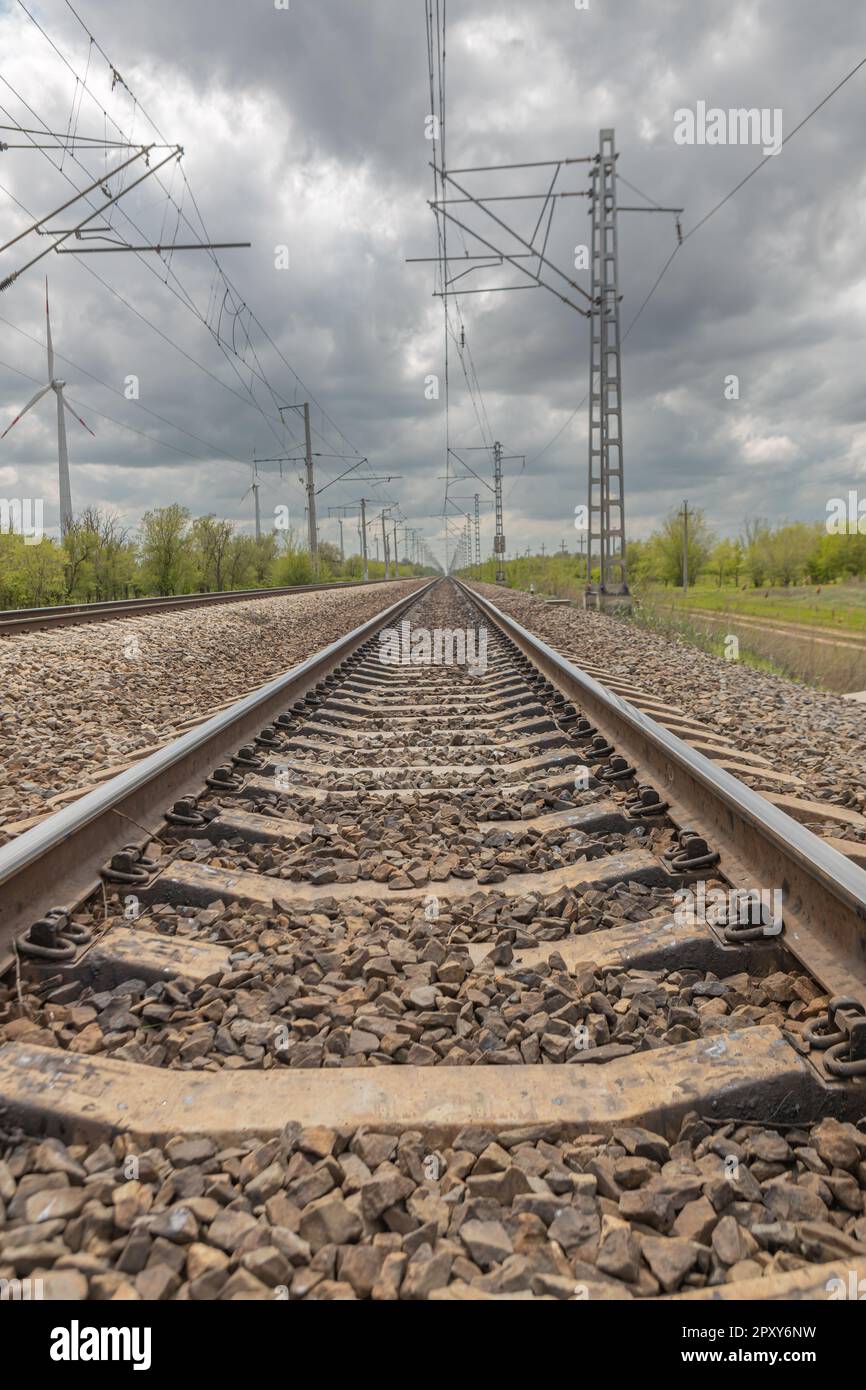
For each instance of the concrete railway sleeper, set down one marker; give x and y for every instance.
(433, 970)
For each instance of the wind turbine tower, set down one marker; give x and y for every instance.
(56, 385)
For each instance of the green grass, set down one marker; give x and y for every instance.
(669, 624)
(797, 656)
(841, 606)
(801, 654)
(557, 575)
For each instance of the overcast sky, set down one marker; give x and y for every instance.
(306, 128)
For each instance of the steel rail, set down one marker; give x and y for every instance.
(824, 893)
(57, 862)
(14, 620)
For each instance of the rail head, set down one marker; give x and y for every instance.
(756, 834)
(69, 846)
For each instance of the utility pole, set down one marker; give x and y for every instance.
(606, 519)
(254, 489)
(311, 492)
(312, 529)
(605, 473)
(477, 536)
(385, 545)
(396, 554)
(499, 537)
(685, 516)
(364, 536)
(342, 551)
(606, 495)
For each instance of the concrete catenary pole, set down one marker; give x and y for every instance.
(311, 493)
(364, 537)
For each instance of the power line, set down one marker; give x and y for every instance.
(90, 409)
(767, 158)
(117, 392)
(664, 270)
(184, 296)
(743, 181)
(215, 259)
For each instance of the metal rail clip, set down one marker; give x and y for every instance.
(129, 865)
(618, 769)
(841, 1035)
(223, 779)
(53, 937)
(644, 802)
(186, 812)
(690, 854)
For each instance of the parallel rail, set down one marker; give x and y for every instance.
(527, 739)
(18, 620)
(69, 847)
(824, 892)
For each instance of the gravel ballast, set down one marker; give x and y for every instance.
(78, 700)
(811, 734)
(521, 1214)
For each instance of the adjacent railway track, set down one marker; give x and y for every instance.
(436, 979)
(14, 621)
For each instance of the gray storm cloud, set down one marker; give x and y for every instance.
(305, 127)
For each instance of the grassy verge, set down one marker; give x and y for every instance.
(804, 656)
(669, 624)
(839, 606)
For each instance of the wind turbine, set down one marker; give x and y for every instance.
(56, 385)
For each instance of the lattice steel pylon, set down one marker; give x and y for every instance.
(499, 534)
(606, 500)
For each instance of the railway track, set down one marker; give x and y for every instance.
(14, 621)
(450, 979)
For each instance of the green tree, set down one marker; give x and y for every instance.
(264, 554)
(168, 562)
(789, 548)
(292, 564)
(42, 572)
(111, 558)
(755, 541)
(211, 539)
(239, 570)
(721, 561)
(80, 545)
(668, 542)
(13, 591)
(330, 564)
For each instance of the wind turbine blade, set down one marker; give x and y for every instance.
(77, 417)
(50, 348)
(28, 406)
